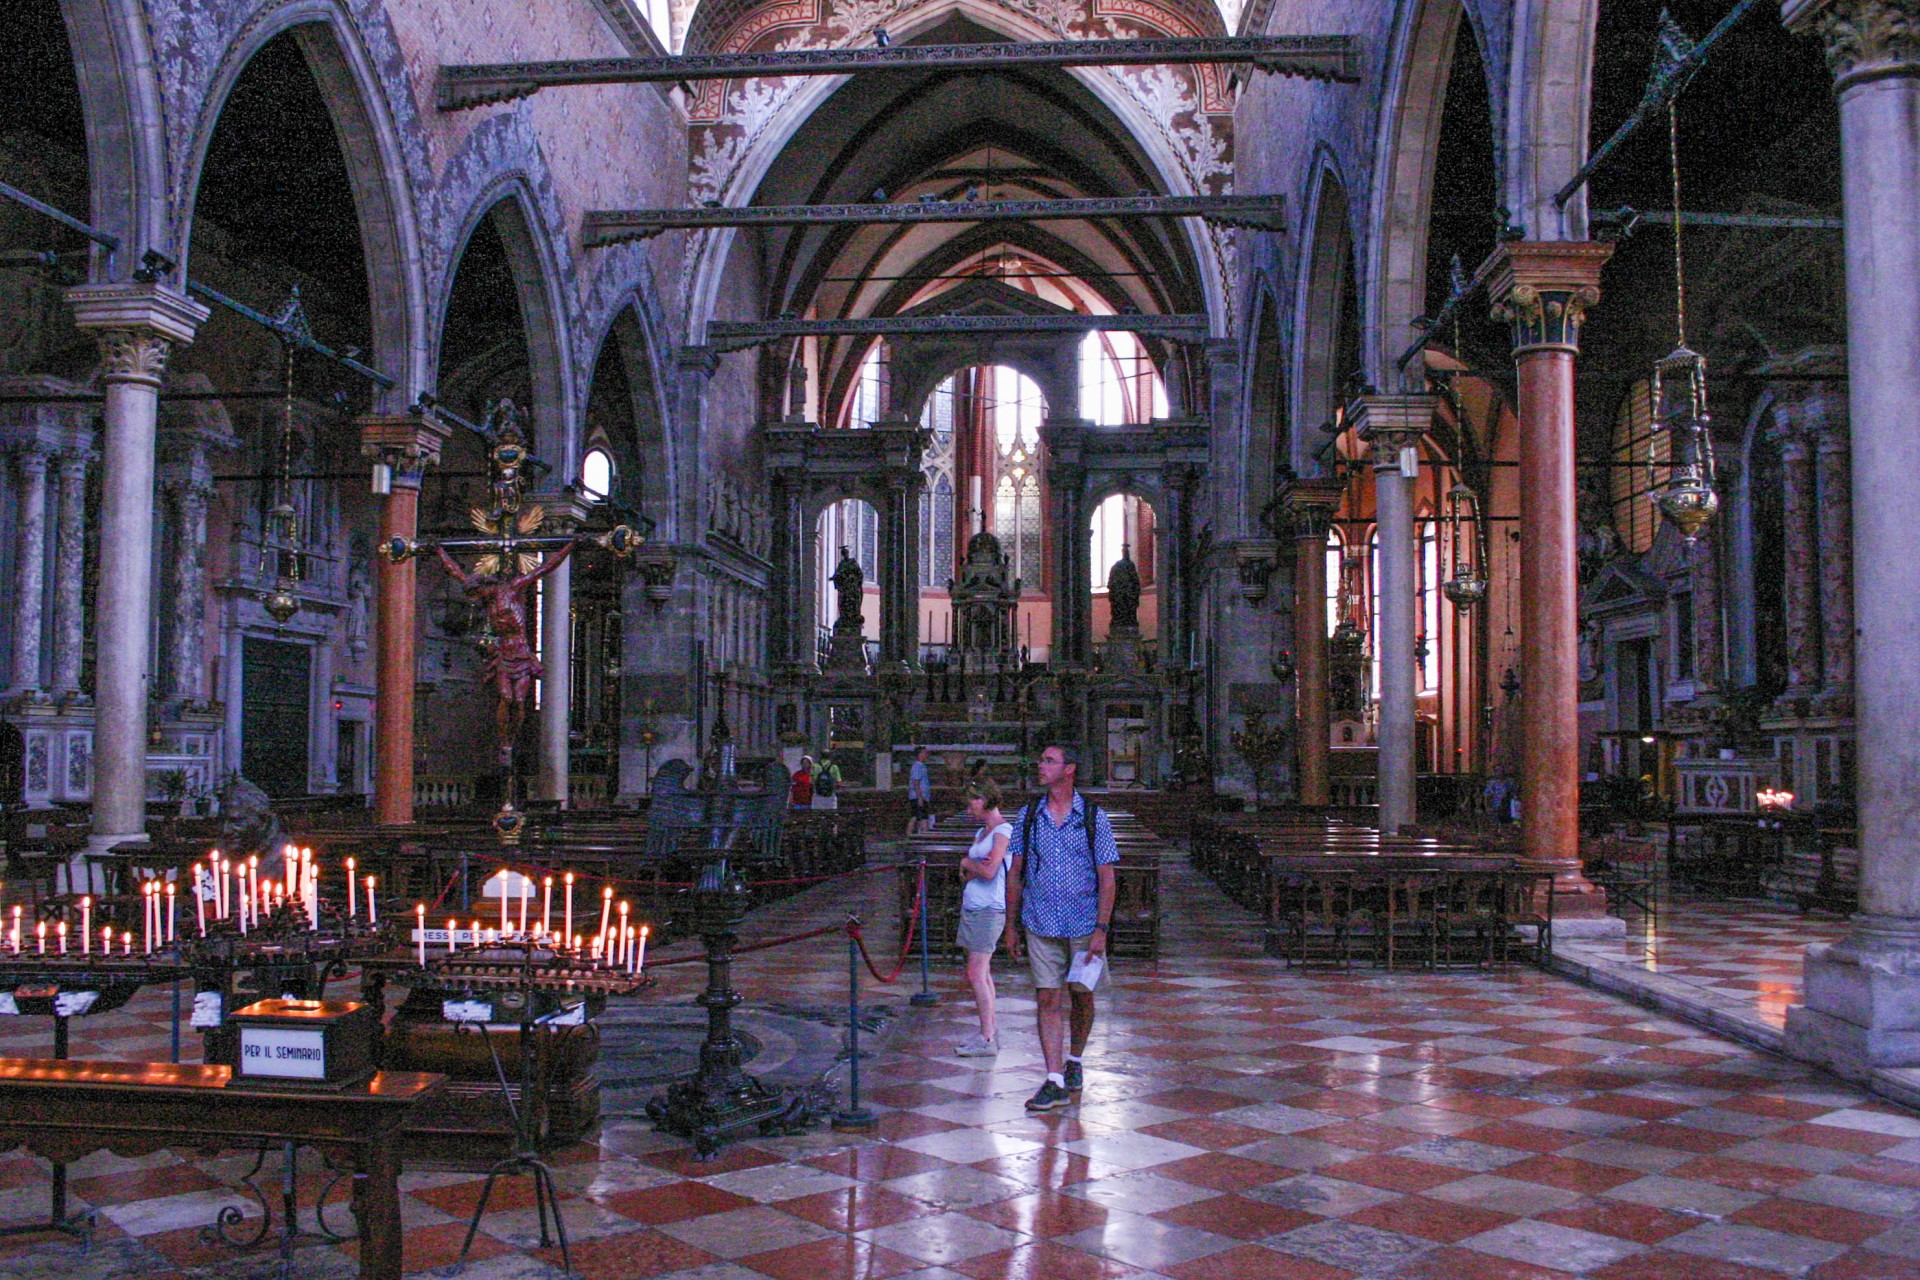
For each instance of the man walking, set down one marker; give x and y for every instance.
(1060, 890)
(919, 794)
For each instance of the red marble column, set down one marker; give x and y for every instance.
(405, 446)
(1309, 506)
(1543, 289)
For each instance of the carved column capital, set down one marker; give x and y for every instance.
(407, 442)
(1862, 39)
(1391, 424)
(137, 326)
(1543, 289)
(1307, 507)
(31, 457)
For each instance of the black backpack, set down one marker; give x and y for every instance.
(1091, 814)
(827, 781)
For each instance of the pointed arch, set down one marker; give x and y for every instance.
(1326, 281)
(1549, 99)
(508, 204)
(377, 174)
(126, 139)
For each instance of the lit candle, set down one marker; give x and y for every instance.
(213, 869)
(170, 905)
(106, 940)
(199, 903)
(420, 915)
(606, 909)
(476, 933)
(146, 916)
(258, 899)
(373, 907)
(126, 943)
(569, 914)
(40, 936)
(241, 898)
(546, 904)
(504, 883)
(577, 941)
(352, 907)
(86, 925)
(630, 947)
(641, 965)
(620, 938)
(526, 898)
(61, 929)
(16, 930)
(453, 929)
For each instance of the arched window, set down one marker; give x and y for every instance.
(1017, 408)
(596, 474)
(1429, 567)
(1336, 578)
(936, 499)
(869, 394)
(1118, 383)
(1116, 524)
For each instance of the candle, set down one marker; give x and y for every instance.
(620, 938)
(126, 943)
(170, 904)
(146, 916)
(240, 898)
(504, 882)
(526, 897)
(61, 929)
(453, 928)
(476, 933)
(86, 925)
(569, 915)
(420, 914)
(259, 891)
(373, 907)
(546, 904)
(199, 903)
(106, 940)
(16, 930)
(213, 869)
(606, 908)
(641, 966)
(632, 947)
(352, 908)
(577, 940)
(40, 936)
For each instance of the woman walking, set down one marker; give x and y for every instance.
(983, 909)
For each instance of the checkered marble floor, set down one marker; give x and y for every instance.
(1746, 951)
(1239, 1122)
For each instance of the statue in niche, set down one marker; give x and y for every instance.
(1123, 591)
(849, 583)
(1596, 542)
(359, 591)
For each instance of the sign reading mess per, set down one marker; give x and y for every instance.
(283, 1053)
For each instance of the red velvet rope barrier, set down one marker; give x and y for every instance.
(906, 944)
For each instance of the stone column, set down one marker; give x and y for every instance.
(1392, 425)
(1543, 289)
(1072, 543)
(187, 583)
(1862, 1008)
(1703, 575)
(790, 646)
(406, 445)
(69, 568)
(564, 514)
(1310, 505)
(1834, 479)
(138, 325)
(1802, 558)
(902, 441)
(1172, 544)
(29, 576)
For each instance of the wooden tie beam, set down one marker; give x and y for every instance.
(1333, 58)
(608, 227)
(729, 335)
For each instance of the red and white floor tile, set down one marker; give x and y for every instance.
(1239, 1122)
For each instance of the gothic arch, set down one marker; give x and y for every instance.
(648, 442)
(510, 205)
(708, 262)
(376, 168)
(1549, 96)
(1266, 424)
(126, 141)
(1323, 283)
(1402, 197)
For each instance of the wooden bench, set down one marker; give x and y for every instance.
(62, 1110)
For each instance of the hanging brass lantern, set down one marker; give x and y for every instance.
(1468, 585)
(1688, 498)
(280, 525)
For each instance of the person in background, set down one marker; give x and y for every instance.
(826, 783)
(919, 794)
(801, 796)
(983, 910)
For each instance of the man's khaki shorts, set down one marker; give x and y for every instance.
(1050, 958)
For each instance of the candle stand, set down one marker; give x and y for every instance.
(731, 821)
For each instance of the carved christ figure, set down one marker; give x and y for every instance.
(513, 666)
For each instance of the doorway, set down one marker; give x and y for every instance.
(276, 678)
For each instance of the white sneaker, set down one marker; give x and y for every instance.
(977, 1046)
